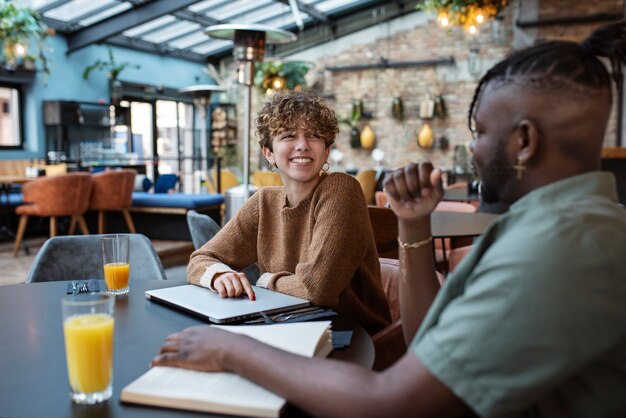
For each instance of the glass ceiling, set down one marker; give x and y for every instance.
(176, 27)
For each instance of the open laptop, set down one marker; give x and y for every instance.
(209, 305)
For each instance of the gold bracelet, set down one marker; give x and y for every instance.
(406, 246)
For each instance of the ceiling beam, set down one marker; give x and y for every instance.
(197, 18)
(117, 24)
(160, 49)
(311, 11)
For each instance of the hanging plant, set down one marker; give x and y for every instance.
(463, 12)
(270, 76)
(19, 28)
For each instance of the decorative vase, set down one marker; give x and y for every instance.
(425, 137)
(440, 107)
(357, 107)
(367, 137)
(396, 108)
(442, 144)
(355, 137)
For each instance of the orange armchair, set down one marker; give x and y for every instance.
(63, 195)
(113, 191)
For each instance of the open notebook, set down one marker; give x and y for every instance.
(209, 305)
(228, 393)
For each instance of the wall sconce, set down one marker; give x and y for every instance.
(474, 62)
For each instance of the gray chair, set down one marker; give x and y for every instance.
(202, 228)
(79, 257)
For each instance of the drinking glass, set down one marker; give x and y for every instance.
(115, 258)
(88, 330)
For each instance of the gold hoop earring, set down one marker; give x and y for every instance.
(519, 167)
(327, 166)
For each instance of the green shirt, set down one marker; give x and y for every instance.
(533, 321)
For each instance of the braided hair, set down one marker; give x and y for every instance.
(562, 65)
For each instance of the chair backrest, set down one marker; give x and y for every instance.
(390, 279)
(266, 178)
(389, 342)
(165, 182)
(79, 257)
(62, 195)
(228, 179)
(112, 189)
(367, 180)
(456, 255)
(201, 227)
(457, 186)
(381, 199)
(385, 227)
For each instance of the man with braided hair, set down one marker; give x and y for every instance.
(533, 321)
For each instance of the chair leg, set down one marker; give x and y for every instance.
(100, 222)
(129, 221)
(53, 226)
(21, 227)
(72, 228)
(82, 224)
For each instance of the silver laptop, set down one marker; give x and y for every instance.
(209, 305)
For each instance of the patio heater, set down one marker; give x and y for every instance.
(249, 40)
(201, 94)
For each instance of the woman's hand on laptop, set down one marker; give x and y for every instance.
(232, 285)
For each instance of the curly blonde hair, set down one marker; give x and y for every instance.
(296, 109)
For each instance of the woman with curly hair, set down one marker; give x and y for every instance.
(311, 237)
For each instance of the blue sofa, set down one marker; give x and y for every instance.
(163, 215)
(182, 201)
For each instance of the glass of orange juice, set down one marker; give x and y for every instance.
(88, 329)
(115, 257)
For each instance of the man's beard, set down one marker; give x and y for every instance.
(494, 176)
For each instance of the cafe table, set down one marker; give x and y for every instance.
(460, 195)
(32, 353)
(457, 226)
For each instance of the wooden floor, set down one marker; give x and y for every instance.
(174, 256)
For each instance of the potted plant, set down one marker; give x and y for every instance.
(355, 134)
(19, 28)
(114, 70)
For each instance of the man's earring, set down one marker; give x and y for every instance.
(519, 167)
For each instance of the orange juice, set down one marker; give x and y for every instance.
(89, 351)
(116, 276)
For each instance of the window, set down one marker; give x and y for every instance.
(10, 117)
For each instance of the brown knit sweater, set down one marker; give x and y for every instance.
(321, 250)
